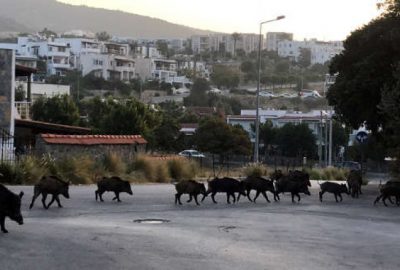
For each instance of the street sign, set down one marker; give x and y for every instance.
(362, 136)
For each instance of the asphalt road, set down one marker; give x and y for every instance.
(86, 234)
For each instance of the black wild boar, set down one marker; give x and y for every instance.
(336, 189)
(50, 185)
(260, 185)
(114, 184)
(354, 181)
(225, 185)
(190, 187)
(300, 176)
(10, 206)
(387, 192)
(286, 184)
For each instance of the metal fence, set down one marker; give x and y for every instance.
(7, 149)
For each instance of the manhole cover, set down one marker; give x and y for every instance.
(151, 221)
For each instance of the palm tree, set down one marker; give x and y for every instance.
(235, 36)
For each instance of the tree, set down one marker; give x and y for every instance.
(198, 95)
(57, 110)
(296, 141)
(103, 36)
(215, 136)
(235, 37)
(162, 46)
(365, 68)
(304, 58)
(224, 76)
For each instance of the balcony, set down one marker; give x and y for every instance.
(23, 109)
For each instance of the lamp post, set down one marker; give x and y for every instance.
(256, 143)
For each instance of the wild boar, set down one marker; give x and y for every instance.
(50, 185)
(10, 206)
(384, 187)
(113, 184)
(190, 187)
(225, 185)
(387, 192)
(286, 184)
(354, 181)
(260, 185)
(335, 188)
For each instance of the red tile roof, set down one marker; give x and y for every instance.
(92, 139)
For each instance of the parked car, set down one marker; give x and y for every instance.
(288, 95)
(309, 94)
(191, 154)
(266, 94)
(350, 165)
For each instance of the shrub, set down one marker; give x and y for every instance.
(180, 169)
(78, 170)
(9, 175)
(31, 169)
(328, 174)
(114, 164)
(255, 170)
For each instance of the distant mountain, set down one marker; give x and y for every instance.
(35, 15)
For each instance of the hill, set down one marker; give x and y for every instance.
(25, 15)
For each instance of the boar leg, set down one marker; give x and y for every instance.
(234, 197)
(177, 198)
(213, 197)
(248, 195)
(227, 198)
(195, 199)
(340, 196)
(384, 200)
(190, 198)
(58, 201)
(2, 221)
(44, 197)
(255, 197)
(35, 195)
(116, 197)
(52, 200)
(320, 195)
(101, 195)
(377, 199)
(265, 196)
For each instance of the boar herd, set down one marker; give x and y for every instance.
(294, 182)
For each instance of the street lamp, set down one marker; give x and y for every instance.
(256, 143)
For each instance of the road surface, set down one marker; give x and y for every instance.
(86, 234)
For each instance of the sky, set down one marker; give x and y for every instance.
(321, 19)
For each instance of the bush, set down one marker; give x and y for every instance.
(182, 169)
(114, 164)
(328, 174)
(31, 169)
(257, 170)
(9, 174)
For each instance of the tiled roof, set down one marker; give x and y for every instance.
(92, 139)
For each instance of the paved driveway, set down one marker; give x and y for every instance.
(86, 234)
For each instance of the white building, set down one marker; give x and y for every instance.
(156, 69)
(273, 39)
(279, 118)
(225, 43)
(321, 52)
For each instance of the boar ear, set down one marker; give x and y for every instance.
(21, 194)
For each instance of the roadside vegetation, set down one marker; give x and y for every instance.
(142, 169)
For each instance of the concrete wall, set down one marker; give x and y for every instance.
(59, 151)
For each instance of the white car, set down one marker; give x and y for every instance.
(288, 95)
(309, 94)
(266, 94)
(191, 154)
